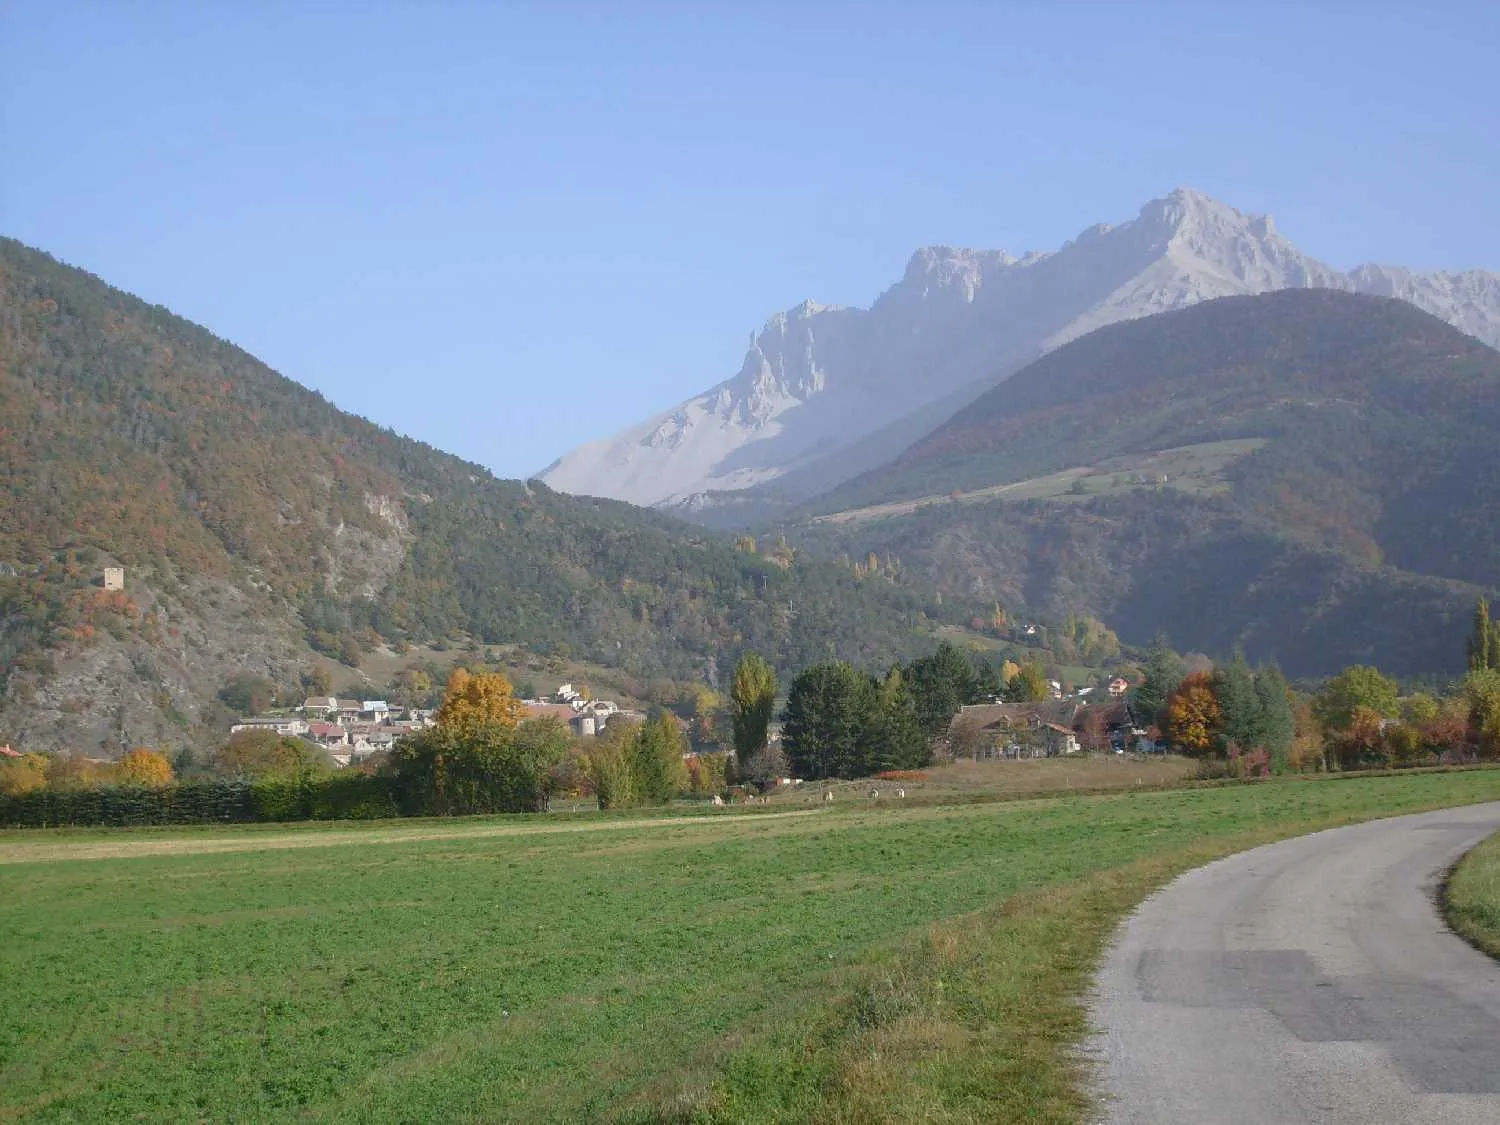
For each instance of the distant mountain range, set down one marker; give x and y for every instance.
(1308, 474)
(826, 393)
(255, 521)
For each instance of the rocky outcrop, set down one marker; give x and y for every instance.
(826, 392)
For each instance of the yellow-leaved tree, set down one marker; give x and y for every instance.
(22, 775)
(473, 701)
(1193, 714)
(145, 767)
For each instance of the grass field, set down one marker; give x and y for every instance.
(1002, 777)
(1471, 899)
(1195, 469)
(881, 963)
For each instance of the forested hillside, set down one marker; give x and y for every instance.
(1333, 461)
(255, 519)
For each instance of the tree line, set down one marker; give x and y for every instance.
(840, 722)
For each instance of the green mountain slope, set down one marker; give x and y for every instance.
(252, 517)
(1306, 473)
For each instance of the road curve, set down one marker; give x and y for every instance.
(1309, 982)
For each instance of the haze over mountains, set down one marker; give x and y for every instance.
(826, 393)
(1305, 474)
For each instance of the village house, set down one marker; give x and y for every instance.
(288, 726)
(1059, 739)
(114, 578)
(328, 736)
(1032, 730)
(1118, 687)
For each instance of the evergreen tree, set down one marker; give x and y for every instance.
(893, 738)
(941, 684)
(1239, 705)
(1163, 672)
(1278, 720)
(827, 714)
(987, 682)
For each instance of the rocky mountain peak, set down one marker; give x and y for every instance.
(819, 380)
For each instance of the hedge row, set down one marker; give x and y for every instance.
(340, 797)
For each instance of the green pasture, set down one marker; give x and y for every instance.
(841, 964)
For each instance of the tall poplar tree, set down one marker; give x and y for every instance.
(753, 695)
(1483, 647)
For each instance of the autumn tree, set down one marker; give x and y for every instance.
(1482, 692)
(411, 687)
(706, 773)
(706, 709)
(753, 697)
(473, 701)
(1356, 686)
(484, 768)
(145, 767)
(253, 755)
(1359, 742)
(1029, 685)
(1193, 716)
(22, 775)
(1419, 709)
(316, 681)
(609, 764)
(74, 771)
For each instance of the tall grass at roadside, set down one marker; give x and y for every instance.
(1471, 897)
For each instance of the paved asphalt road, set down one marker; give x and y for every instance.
(1305, 982)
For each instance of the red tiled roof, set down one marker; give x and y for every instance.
(561, 711)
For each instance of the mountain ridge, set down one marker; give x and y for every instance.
(257, 524)
(1332, 454)
(821, 381)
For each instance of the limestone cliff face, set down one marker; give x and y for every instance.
(827, 392)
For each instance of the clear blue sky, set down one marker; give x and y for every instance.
(507, 228)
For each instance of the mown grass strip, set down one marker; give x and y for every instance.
(1471, 897)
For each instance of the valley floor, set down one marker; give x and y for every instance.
(886, 962)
